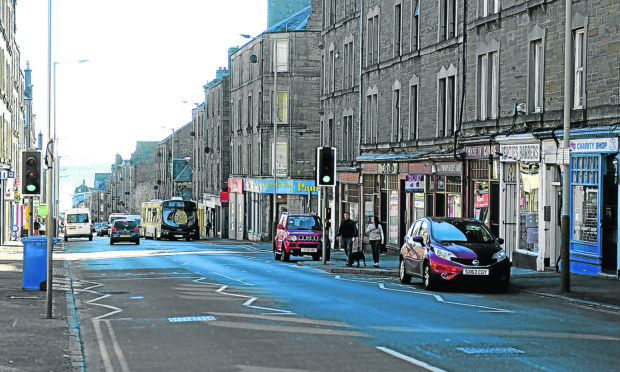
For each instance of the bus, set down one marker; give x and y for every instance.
(169, 219)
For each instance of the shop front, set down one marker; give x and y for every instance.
(483, 185)
(594, 164)
(381, 198)
(520, 175)
(236, 208)
(215, 215)
(297, 196)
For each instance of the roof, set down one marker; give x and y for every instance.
(296, 22)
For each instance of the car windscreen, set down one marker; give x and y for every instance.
(77, 218)
(304, 223)
(461, 231)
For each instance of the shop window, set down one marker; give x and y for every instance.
(584, 181)
(528, 206)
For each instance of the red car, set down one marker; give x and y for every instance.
(447, 250)
(299, 234)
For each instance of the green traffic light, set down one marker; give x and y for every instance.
(31, 188)
(326, 179)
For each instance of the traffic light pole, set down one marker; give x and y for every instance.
(50, 170)
(323, 211)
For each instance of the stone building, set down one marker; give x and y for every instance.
(456, 109)
(175, 149)
(211, 154)
(268, 101)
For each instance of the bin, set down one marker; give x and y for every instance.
(34, 272)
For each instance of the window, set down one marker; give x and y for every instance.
(536, 76)
(415, 25)
(349, 63)
(487, 7)
(371, 118)
(584, 181)
(447, 106)
(413, 112)
(250, 113)
(398, 33)
(281, 58)
(347, 138)
(487, 86)
(332, 71)
(579, 67)
(373, 40)
(397, 130)
(282, 106)
(447, 19)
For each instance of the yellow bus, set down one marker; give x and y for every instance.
(169, 219)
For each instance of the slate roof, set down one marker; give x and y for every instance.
(296, 22)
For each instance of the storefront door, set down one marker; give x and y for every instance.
(610, 220)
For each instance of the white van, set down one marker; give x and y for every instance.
(78, 224)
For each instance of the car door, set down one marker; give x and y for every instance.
(419, 249)
(408, 249)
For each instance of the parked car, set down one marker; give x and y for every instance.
(103, 229)
(124, 231)
(447, 250)
(299, 234)
(97, 226)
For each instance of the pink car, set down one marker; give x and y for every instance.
(299, 234)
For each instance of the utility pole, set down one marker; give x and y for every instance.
(565, 229)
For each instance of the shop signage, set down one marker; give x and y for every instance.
(388, 168)
(594, 145)
(520, 153)
(224, 198)
(370, 168)
(6, 174)
(480, 152)
(420, 168)
(448, 168)
(414, 183)
(235, 185)
(348, 177)
(265, 186)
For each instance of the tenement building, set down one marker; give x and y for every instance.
(274, 100)
(455, 109)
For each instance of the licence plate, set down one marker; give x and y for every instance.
(125, 236)
(475, 271)
(313, 250)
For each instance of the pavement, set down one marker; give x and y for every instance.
(30, 341)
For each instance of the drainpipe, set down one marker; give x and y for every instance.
(359, 141)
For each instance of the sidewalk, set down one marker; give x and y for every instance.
(31, 342)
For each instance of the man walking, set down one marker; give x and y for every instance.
(346, 232)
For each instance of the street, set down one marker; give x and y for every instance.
(176, 305)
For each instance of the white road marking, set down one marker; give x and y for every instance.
(410, 359)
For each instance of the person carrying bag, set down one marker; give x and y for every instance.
(375, 238)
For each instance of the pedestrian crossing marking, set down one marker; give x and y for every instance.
(191, 319)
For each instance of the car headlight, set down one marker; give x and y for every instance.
(500, 255)
(292, 238)
(445, 254)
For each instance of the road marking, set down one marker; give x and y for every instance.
(191, 319)
(409, 359)
(107, 362)
(438, 298)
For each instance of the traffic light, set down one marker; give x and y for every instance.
(31, 173)
(326, 166)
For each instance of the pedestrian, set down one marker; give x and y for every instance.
(35, 227)
(208, 227)
(375, 238)
(346, 232)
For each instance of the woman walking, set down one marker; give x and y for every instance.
(375, 237)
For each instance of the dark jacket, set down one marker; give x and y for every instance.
(347, 228)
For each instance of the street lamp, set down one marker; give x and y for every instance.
(171, 162)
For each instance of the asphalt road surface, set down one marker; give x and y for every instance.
(196, 306)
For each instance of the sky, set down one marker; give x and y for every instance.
(147, 63)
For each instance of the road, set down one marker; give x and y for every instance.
(196, 306)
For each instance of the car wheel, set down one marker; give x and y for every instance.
(402, 273)
(316, 257)
(276, 255)
(111, 242)
(504, 284)
(137, 242)
(429, 280)
(284, 255)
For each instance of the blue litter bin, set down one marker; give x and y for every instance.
(34, 272)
